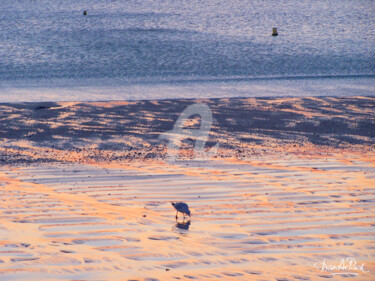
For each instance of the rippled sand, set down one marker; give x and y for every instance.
(267, 208)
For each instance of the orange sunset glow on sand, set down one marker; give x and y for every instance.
(86, 191)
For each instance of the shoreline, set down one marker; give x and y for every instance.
(92, 90)
(292, 185)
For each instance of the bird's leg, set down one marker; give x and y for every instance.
(176, 215)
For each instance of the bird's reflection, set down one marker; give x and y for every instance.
(183, 225)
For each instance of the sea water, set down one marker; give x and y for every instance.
(185, 48)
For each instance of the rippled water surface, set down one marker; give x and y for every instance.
(147, 41)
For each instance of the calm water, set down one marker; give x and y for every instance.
(121, 42)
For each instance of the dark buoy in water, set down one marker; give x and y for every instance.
(274, 31)
(85, 13)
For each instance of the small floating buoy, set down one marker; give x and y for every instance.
(274, 31)
(85, 13)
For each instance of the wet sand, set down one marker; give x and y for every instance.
(85, 191)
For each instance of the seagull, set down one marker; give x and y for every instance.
(181, 207)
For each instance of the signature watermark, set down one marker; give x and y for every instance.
(345, 266)
(178, 133)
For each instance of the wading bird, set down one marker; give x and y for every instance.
(181, 207)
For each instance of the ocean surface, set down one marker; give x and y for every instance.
(171, 49)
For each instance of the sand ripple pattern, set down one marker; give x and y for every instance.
(252, 220)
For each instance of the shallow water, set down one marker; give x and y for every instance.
(47, 44)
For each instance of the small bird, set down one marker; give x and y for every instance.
(182, 208)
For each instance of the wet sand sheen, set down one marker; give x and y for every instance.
(254, 217)
(242, 226)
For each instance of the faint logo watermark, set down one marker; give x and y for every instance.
(345, 266)
(178, 133)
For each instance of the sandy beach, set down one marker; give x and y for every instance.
(85, 191)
